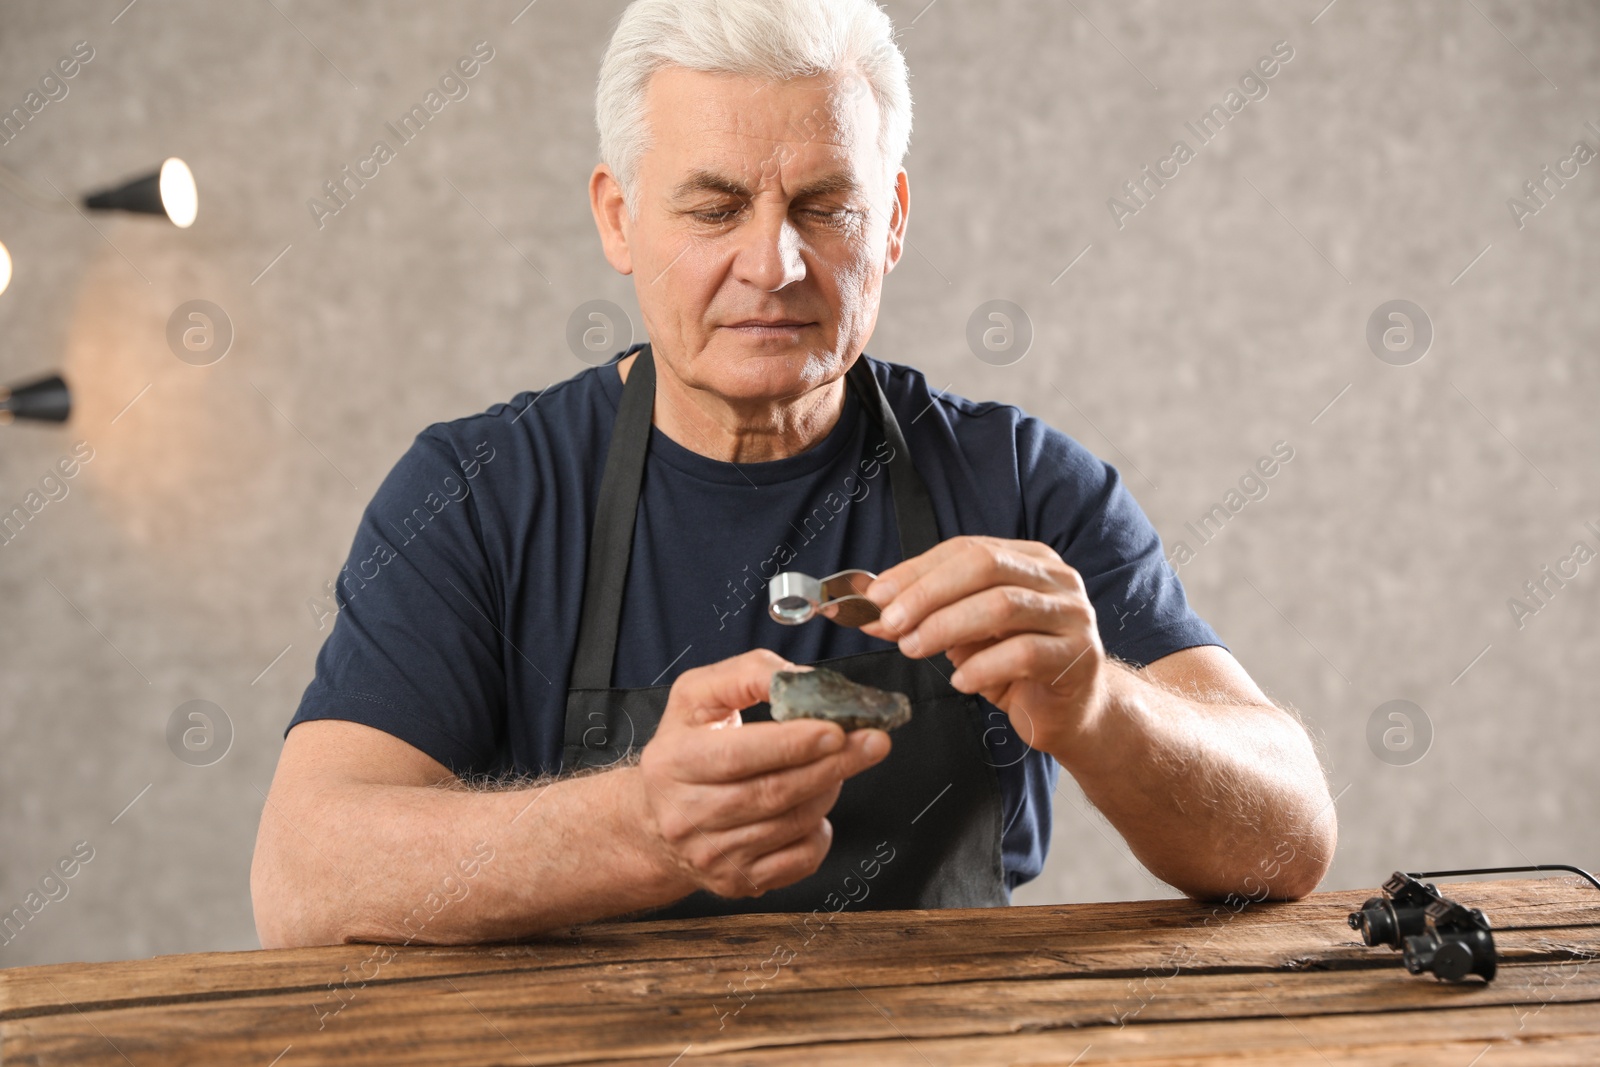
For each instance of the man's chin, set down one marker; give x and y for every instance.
(736, 367)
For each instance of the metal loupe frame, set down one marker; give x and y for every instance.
(794, 598)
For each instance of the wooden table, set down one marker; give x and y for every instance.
(1169, 981)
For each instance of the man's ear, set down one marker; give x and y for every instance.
(899, 212)
(611, 218)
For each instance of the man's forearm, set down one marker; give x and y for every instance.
(1212, 798)
(443, 865)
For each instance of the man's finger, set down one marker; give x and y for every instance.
(1041, 658)
(717, 756)
(750, 840)
(737, 802)
(958, 568)
(890, 583)
(898, 578)
(796, 861)
(996, 613)
(709, 693)
(959, 654)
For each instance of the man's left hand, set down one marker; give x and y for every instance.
(1013, 619)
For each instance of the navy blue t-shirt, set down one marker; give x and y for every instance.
(460, 600)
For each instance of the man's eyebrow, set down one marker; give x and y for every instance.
(705, 181)
(832, 183)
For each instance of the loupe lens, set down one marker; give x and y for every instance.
(793, 609)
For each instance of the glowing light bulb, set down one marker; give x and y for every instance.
(179, 196)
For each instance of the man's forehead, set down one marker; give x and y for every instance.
(714, 115)
(706, 180)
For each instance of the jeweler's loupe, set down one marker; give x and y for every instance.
(793, 598)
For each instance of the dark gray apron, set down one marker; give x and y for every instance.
(921, 829)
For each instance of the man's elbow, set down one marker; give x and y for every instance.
(1294, 861)
(1300, 879)
(1289, 868)
(280, 914)
(1269, 880)
(1296, 865)
(1310, 851)
(291, 910)
(1316, 857)
(275, 930)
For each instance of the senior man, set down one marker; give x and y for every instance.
(542, 699)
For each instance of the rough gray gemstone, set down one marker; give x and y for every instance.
(823, 694)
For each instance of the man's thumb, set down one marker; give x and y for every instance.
(714, 692)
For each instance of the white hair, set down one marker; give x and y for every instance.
(775, 39)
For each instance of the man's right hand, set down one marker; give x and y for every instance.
(740, 808)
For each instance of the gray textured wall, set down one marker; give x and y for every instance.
(1226, 314)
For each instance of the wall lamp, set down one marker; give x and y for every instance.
(169, 190)
(44, 399)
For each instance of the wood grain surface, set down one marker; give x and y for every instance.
(1171, 981)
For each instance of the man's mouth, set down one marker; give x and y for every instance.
(768, 327)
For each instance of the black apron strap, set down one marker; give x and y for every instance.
(913, 507)
(611, 540)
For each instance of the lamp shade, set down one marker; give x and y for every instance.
(169, 191)
(5, 268)
(46, 399)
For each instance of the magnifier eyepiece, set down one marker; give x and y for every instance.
(793, 609)
(794, 598)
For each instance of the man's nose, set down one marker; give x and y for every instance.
(769, 253)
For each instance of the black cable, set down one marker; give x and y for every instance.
(1579, 871)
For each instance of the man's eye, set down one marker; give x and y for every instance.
(839, 216)
(829, 215)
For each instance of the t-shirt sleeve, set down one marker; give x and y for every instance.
(1078, 504)
(415, 649)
